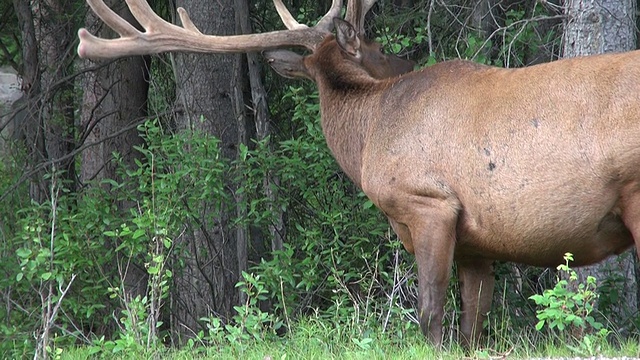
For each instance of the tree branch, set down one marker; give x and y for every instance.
(78, 150)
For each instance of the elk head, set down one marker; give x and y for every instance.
(160, 36)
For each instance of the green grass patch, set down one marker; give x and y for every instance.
(315, 338)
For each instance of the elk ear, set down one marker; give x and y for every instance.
(287, 64)
(347, 38)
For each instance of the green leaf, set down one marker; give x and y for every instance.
(138, 234)
(24, 253)
(367, 204)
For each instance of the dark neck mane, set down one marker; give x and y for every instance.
(336, 73)
(346, 95)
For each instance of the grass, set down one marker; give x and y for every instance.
(314, 338)
(348, 335)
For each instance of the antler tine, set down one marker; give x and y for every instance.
(286, 16)
(162, 36)
(186, 21)
(144, 14)
(113, 20)
(356, 11)
(326, 23)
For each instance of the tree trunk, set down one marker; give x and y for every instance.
(55, 36)
(205, 87)
(262, 124)
(483, 24)
(114, 98)
(594, 27)
(29, 126)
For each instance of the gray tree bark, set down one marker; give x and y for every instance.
(205, 91)
(55, 36)
(114, 98)
(594, 27)
(46, 114)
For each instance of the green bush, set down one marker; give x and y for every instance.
(337, 259)
(567, 310)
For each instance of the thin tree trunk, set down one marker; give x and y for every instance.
(483, 23)
(242, 232)
(55, 36)
(48, 121)
(30, 72)
(263, 126)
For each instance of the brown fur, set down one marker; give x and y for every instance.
(474, 164)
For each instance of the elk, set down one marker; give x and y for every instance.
(470, 163)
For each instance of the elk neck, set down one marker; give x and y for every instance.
(347, 104)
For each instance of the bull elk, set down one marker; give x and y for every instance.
(470, 163)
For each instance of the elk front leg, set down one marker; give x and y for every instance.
(476, 288)
(433, 243)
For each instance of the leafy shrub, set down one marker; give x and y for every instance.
(571, 310)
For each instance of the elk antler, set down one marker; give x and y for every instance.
(356, 11)
(162, 36)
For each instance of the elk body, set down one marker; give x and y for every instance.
(470, 163)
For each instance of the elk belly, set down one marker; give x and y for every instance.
(542, 241)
